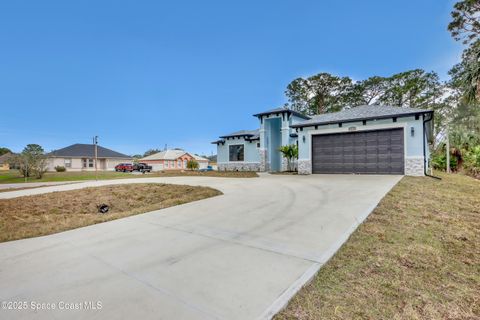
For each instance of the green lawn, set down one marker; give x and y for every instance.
(417, 256)
(13, 176)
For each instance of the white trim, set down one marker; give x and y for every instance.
(358, 128)
(228, 153)
(346, 129)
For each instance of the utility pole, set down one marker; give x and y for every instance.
(448, 151)
(95, 143)
(26, 170)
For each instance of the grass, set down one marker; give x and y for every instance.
(22, 188)
(13, 176)
(417, 256)
(38, 215)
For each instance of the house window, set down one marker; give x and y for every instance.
(236, 152)
(184, 163)
(258, 144)
(179, 163)
(172, 165)
(87, 163)
(68, 163)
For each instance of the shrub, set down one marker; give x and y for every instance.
(289, 152)
(192, 164)
(439, 162)
(60, 169)
(31, 161)
(471, 161)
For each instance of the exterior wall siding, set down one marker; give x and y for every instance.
(270, 133)
(76, 164)
(274, 133)
(274, 130)
(251, 154)
(173, 164)
(414, 159)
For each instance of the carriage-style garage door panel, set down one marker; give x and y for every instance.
(379, 151)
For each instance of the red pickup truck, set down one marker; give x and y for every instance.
(125, 167)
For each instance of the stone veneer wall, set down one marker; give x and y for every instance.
(252, 166)
(284, 166)
(263, 159)
(304, 166)
(414, 166)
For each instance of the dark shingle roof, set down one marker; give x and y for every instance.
(367, 112)
(248, 134)
(243, 133)
(86, 150)
(281, 110)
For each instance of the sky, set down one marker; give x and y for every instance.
(145, 74)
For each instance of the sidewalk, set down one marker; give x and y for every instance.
(34, 184)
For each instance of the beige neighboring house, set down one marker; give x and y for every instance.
(4, 162)
(81, 157)
(202, 162)
(173, 159)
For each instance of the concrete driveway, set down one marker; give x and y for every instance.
(241, 255)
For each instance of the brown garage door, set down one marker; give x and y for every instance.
(374, 152)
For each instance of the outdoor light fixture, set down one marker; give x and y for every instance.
(303, 139)
(412, 131)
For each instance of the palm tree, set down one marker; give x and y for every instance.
(290, 152)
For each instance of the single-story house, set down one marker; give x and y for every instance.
(4, 165)
(370, 139)
(173, 159)
(81, 157)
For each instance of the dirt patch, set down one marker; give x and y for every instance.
(37, 215)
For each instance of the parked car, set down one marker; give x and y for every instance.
(124, 167)
(208, 168)
(142, 167)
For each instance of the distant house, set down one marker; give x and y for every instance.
(174, 159)
(4, 165)
(81, 157)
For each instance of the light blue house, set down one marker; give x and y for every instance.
(368, 139)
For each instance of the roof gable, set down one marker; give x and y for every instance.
(171, 154)
(79, 150)
(282, 110)
(243, 133)
(198, 158)
(361, 113)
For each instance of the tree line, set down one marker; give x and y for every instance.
(325, 92)
(456, 102)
